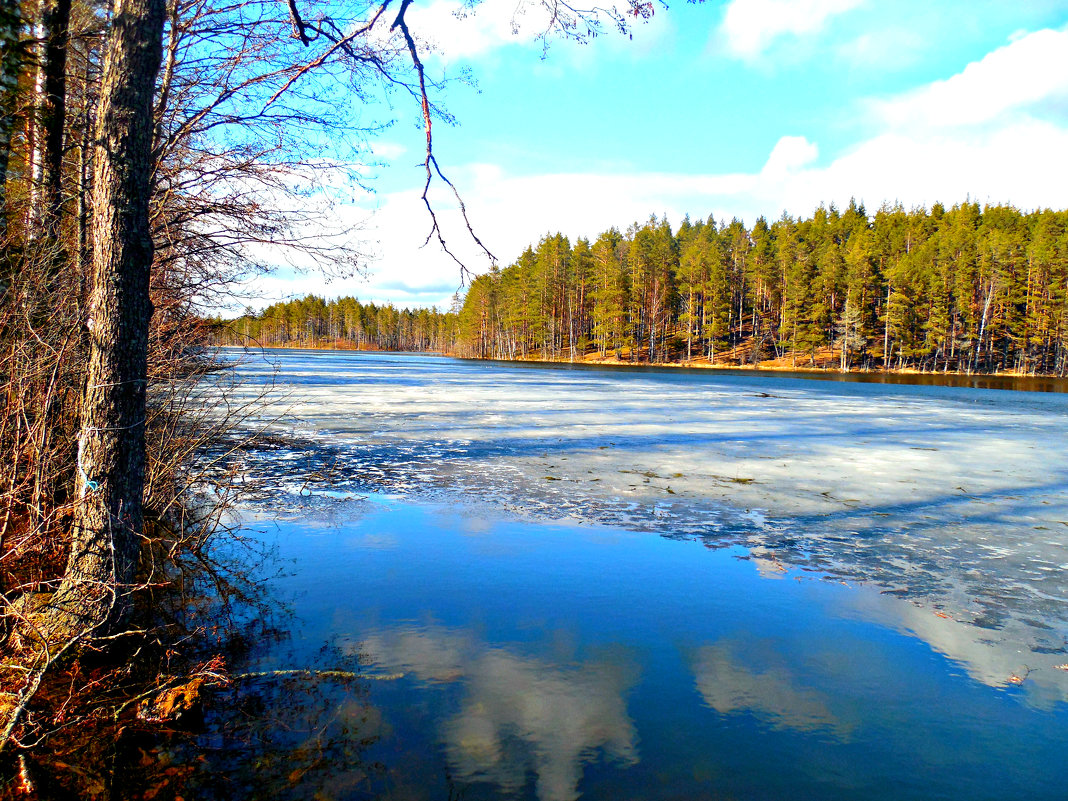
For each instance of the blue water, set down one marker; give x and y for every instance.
(507, 649)
(556, 662)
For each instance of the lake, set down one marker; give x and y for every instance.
(549, 583)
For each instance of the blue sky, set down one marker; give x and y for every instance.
(732, 108)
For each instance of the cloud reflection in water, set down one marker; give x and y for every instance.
(519, 714)
(733, 677)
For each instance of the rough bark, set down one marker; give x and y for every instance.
(111, 458)
(34, 134)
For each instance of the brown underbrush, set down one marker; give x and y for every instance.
(72, 701)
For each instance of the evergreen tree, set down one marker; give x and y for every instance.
(958, 289)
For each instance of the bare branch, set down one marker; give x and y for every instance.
(299, 28)
(430, 162)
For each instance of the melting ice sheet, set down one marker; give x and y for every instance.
(951, 503)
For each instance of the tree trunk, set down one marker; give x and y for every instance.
(94, 594)
(982, 326)
(886, 330)
(84, 167)
(55, 18)
(10, 67)
(111, 454)
(34, 134)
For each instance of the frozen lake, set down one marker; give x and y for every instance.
(677, 584)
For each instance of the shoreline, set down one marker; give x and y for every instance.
(766, 366)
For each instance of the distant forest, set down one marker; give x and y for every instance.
(314, 322)
(966, 289)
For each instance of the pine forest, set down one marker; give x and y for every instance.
(314, 322)
(966, 289)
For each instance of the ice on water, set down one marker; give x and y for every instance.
(952, 503)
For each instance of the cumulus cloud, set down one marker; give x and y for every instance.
(1024, 75)
(789, 154)
(998, 656)
(389, 151)
(1018, 163)
(458, 32)
(750, 26)
(888, 49)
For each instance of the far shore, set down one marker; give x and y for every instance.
(826, 364)
(771, 366)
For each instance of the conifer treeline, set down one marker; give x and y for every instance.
(313, 321)
(965, 289)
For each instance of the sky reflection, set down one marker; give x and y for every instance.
(735, 676)
(518, 714)
(953, 496)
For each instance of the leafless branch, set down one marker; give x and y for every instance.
(430, 162)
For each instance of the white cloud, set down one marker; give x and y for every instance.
(388, 151)
(1019, 76)
(789, 154)
(459, 33)
(1016, 164)
(887, 49)
(1019, 163)
(1002, 151)
(518, 716)
(750, 26)
(731, 683)
(992, 656)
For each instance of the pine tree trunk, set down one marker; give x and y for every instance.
(10, 67)
(111, 457)
(83, 197)
(886, 330)
(55, 18)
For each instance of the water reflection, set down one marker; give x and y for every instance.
(931, 505)
(519, 714)
(1024, 654)
(505, 659)
(295, 735)
(745, 676)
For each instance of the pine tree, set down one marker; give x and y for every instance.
(609, 293)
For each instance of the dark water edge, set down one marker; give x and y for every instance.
(1017, 383)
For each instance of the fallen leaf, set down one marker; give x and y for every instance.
(173, 702)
